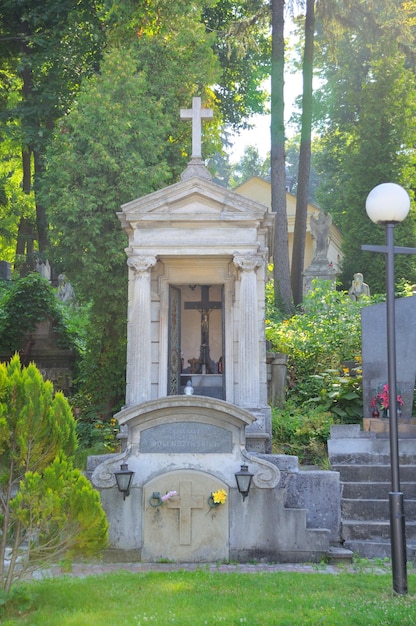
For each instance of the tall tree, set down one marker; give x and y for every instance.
(45, 48)
(250, 164)
(242, 46)
(281, 264)
(367, 138)
(122, 140)
(304, 168)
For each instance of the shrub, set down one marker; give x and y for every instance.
(317, 340)
(303, 432)
(48, 509)
(27, 302)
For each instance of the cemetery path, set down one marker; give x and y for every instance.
(81, 570)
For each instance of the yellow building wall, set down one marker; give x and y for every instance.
(259, 190)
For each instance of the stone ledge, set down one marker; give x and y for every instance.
(380, 425)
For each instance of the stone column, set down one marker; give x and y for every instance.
(139, 358)
(248, 344)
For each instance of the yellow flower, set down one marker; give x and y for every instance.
(219, 497)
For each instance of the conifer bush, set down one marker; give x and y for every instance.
(48, 509)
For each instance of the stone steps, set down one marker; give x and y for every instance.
(373, 509)
(377, 473)
(363, 462)
(366, 530)
(377, 491)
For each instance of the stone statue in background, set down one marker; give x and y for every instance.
(43, 268)
(65, 291)
(358, 287)
(320, 227)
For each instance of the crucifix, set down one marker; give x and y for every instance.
(196, 114)
(204, 307)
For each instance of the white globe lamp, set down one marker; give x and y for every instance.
(387, 203)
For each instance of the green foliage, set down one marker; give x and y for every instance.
(27, 302)
(242, 45)
(36, 424)
(366, 137)
(326, 332)
(60, 512)
(323, 346)
(46, 47)
(46, 507)
(339, 393)
(302, 431)
(95, 436)
(250, 164)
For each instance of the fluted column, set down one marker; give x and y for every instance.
(248, 340)
(139, 358)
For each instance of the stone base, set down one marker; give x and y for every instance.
(319, 270)
(278, 556)
(379, 425)
(338, 555)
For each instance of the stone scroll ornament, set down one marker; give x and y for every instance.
(266, 475)
(103, 476)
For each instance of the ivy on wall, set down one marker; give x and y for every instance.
(23, 305)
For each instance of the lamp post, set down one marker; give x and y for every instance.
(388, 204)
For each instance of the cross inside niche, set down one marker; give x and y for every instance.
(204, 307)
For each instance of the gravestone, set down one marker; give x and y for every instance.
(42, 346)
(181, 450)
(5, 270)
(374, 351)
(196, 389)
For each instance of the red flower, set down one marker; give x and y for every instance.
(382, 397)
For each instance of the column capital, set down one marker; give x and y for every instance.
(248, 262)
(140, 263)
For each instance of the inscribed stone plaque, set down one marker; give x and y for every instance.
(182, 437)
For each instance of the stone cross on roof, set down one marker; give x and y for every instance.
(196, 114)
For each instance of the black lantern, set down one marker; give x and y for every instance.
(123, 479)
(243, 478)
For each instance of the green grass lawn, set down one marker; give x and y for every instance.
(202, 597)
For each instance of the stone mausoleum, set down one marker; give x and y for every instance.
(196, 391)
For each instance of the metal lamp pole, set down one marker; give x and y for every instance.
(397, 519)
(389, 204)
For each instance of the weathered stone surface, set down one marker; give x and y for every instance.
(185, 528)
(190, 437)
(374, 351)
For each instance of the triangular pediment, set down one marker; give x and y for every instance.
(200, 198)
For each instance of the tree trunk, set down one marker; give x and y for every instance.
(304, 167)
(281, 273)
(41, 221)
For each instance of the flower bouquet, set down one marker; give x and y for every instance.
(381, 399)
(216, 498)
